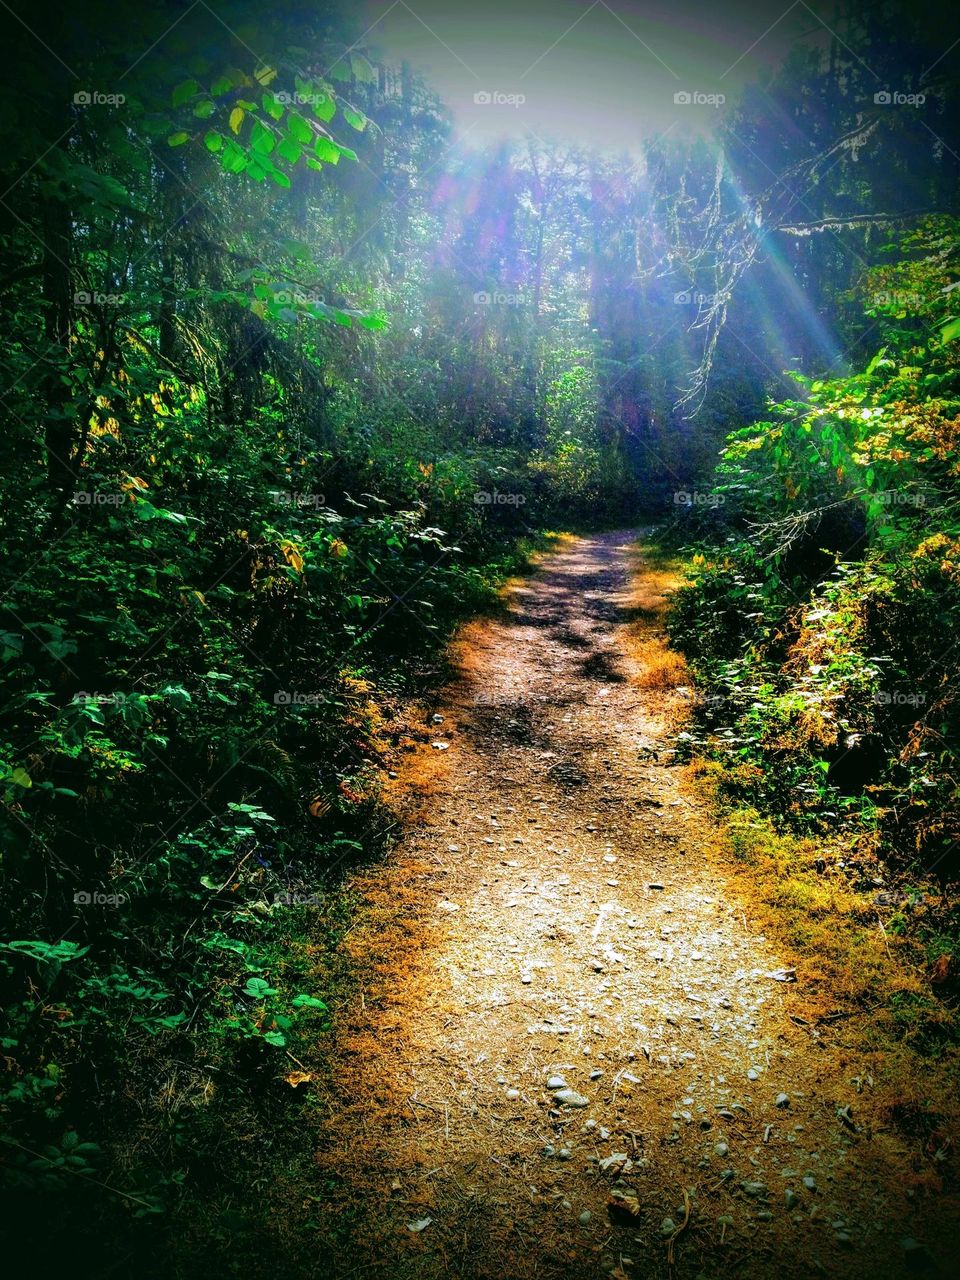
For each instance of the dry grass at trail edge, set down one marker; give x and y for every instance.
(860, 983)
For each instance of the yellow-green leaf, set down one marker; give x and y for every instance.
(326, 150)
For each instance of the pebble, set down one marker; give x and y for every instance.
(595, 1075)
(584, 1217)
(564, 1153)
(782, 1100)
(753, 1074)
(667, 1227)
(721, 1148)
(556, 1082)
(791, 1198)
(570, 1098)
(810, 1183)
(512, 1094)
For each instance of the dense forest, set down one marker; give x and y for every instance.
(295, 379)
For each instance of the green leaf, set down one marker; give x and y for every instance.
(213, 141)
(259, 989)
(178, 139)
(324, 107)
(327, 150)
(354, 118)
(307, 1002)
(363, 69)
(262, 139)
(234, 159)
(184, 92)
(950, 330)
(299, 128)
(289, 150)
(272, 107)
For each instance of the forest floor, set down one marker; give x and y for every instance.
(569, 1050)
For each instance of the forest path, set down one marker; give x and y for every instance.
(553, 911)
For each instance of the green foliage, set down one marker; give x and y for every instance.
(817, 614)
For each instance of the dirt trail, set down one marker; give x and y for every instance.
(552, 911)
